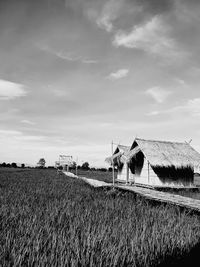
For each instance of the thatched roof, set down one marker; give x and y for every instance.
(118, 154)
(123, 149)
(165, 154)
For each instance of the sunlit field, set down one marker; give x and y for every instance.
(107, 177)
(53, 220)
(97, 175)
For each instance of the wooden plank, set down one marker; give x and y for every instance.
(148, 193)
(152, 194)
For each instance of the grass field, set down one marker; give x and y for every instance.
(97, 175)
(190, 194)
(107, 177)
(50, 220)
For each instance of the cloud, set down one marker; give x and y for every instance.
(192, 106)
(19, 136)
(10, 90)
(65, 56)
(61, 93)
(151, 37)
(122, 73)
(28, 122)
(113, 10)
(109, 13)
(158, 94)
(89, 61)
(181, 82)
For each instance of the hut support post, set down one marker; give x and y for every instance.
(113, 167)
(77, 166)
(148, 174)
(127, 173)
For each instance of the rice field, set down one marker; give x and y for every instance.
(107, 177)
(53, 220)
(97, 175)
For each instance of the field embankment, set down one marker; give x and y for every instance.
(51, 220)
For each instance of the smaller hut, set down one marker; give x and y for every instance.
(118, 159)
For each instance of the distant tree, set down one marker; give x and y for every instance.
(8, 165)
(85, 166)
(41, 163)
(78, 167)
(22, 165)
(3, 164)
(14, 165)
(72, 166)
(110, 169)
(102, 169)
(93, 169)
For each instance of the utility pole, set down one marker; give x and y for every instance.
(113, 168)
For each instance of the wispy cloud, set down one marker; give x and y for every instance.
(158, 94)
(66, 56)
(89, 61)
(192, 107)
(61, 93)
(122, 73)
(28, 122)
(181, 82)
(109, 13)
(151, 37)
(10, 90)
(19, 136)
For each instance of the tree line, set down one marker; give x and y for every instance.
(85, 166)
(11, 165)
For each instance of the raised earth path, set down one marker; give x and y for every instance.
(151, 194)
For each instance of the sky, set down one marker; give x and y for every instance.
(77, 74)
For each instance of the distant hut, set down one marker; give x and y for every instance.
(160, 163)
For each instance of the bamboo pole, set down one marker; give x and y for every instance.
(127, 173)
(76, 166)
(113, 169)
(148, 173)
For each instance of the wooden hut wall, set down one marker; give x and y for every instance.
(147, 175)
(121, 175)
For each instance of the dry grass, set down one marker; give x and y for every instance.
(49, 220)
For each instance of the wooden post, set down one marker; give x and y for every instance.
(76, 166)
(127, 174)
(148, 174)
(113, 169)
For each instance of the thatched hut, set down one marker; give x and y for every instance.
(159, 163)
(119, 159)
